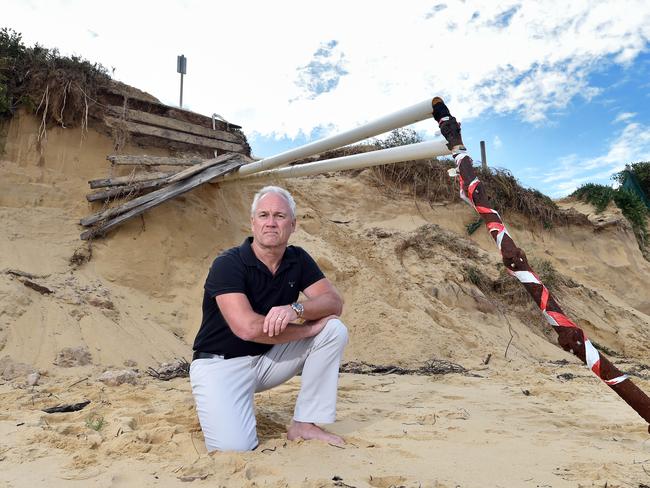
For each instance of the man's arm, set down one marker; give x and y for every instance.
(322, 301)
(248, 325)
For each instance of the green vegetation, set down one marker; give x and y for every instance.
(58, 87)
(474, 226)
(95, 422)
(630, 204)
(11, 50)
(634, 210)
(399, 137)
(598, 195)
(4, 98)
(642, 172)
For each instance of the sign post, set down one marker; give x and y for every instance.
(181, 67)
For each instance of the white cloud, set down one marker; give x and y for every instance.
(632, 144)
(624, 117)
(245, 58)
(497, 142)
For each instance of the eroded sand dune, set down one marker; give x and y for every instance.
(532, 416)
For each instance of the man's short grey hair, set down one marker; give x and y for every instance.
(277, 190)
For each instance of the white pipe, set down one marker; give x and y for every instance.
(406, 116)
(421, 150)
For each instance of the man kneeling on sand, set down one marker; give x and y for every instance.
(256, 335)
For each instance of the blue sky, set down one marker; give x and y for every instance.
(560, 91)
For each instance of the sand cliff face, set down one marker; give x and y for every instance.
(399, 264)
(133, 298)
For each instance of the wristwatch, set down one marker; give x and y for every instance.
(298, 308)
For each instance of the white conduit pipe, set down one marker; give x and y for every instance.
(421, 150)
(410, 115)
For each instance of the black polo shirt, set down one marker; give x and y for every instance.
(238, 270)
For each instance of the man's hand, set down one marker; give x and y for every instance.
(277, 327)
(277, 319)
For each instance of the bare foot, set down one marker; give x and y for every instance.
(309, 431)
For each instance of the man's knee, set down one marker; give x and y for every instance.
(336, 331)
(224, 405)
(231, 435)
(241, 444)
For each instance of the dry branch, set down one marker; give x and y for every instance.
(178, 369)
(431, 367)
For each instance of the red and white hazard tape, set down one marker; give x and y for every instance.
(555, 319)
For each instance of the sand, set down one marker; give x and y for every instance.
(533, 416)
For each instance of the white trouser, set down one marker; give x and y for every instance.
(223, 389)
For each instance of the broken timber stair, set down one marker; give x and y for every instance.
(168, 187)
(145, 190)
(171, 129)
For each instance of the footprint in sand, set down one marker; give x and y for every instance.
(387, 481)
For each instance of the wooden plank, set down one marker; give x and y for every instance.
(171, 123)
(144, 160)
(163, 195)
(121, 191)
(128, 179)
(137, 188)
(112, 212)
(173, 135)
(186, 173)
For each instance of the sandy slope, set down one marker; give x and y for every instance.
(399, 264)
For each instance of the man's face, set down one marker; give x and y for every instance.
(272, 223)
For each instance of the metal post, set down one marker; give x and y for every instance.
(181, 103)
(483, 156)
(181, 67)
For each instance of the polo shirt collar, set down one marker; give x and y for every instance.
(249, 258)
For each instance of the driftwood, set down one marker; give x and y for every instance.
(178, 369)
(124, 190)
(170, 123)
(111, 212)
(26, 279)
(173, 135)
(431, 367)
(128, 179)
(43, 290)
(70, 407)
(24, 274)
(144, 160)
(157, 197)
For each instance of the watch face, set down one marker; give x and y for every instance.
(298, 308)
